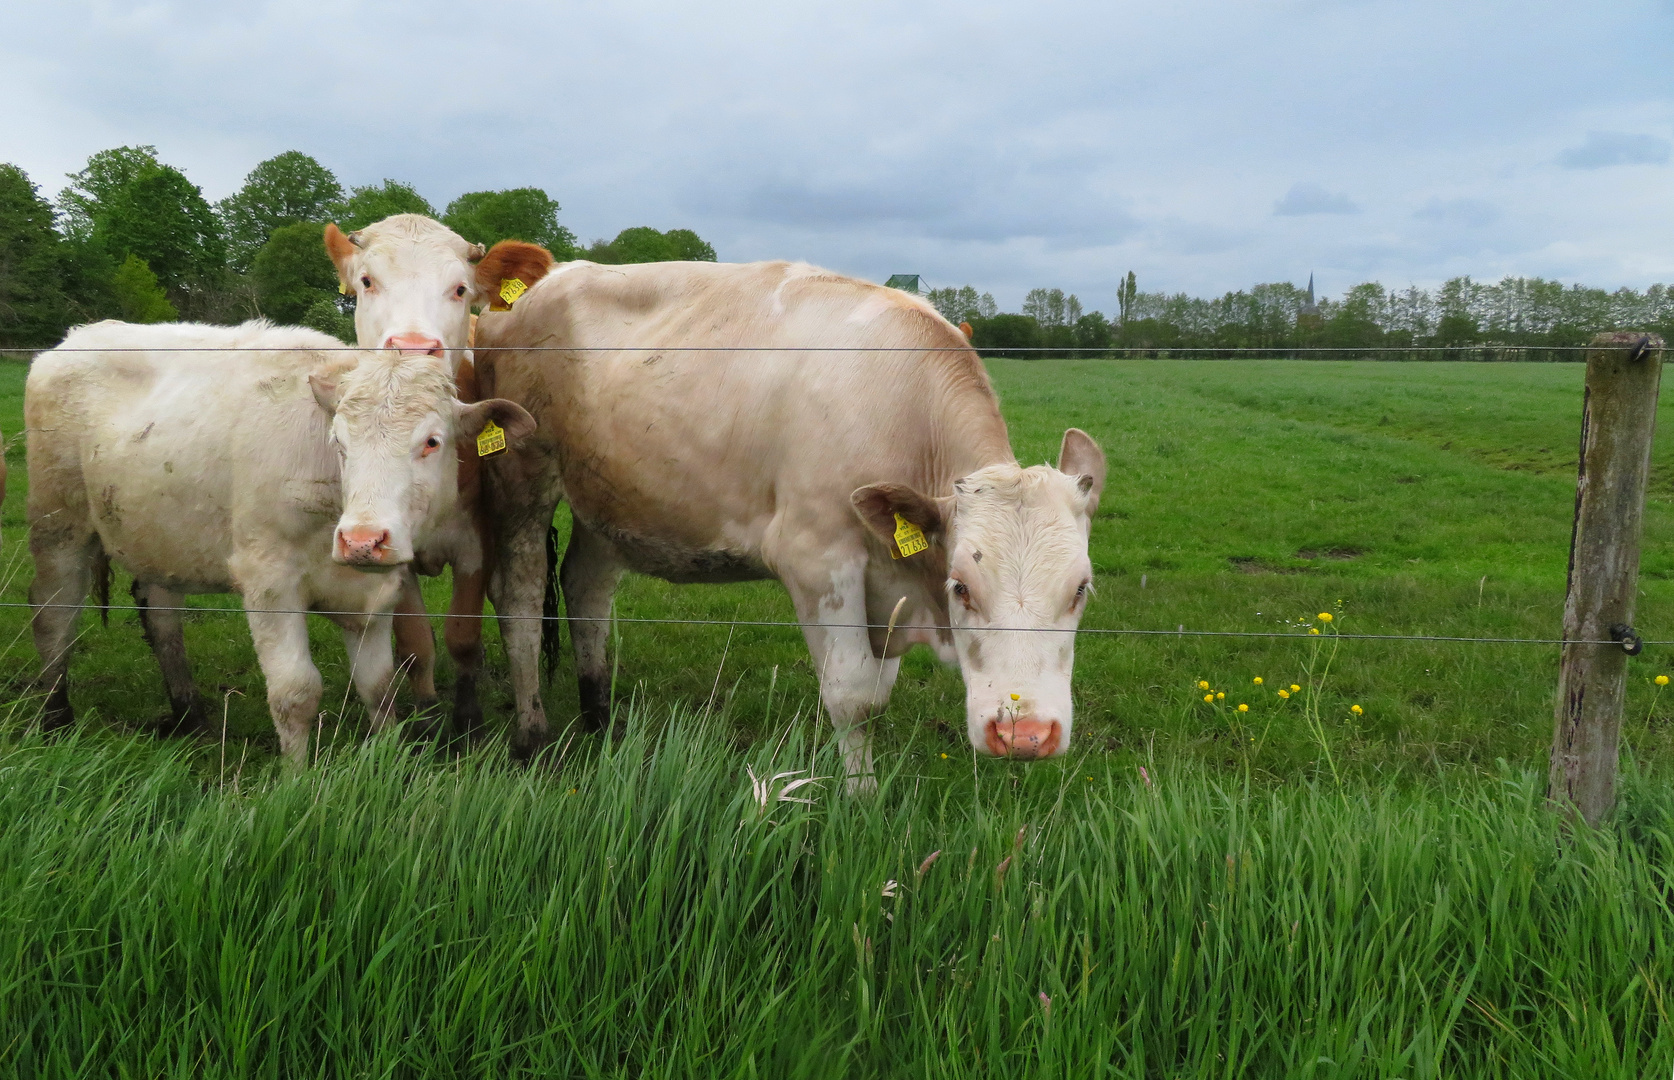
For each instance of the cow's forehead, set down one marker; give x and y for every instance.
(384, 386)
(1005, 506)
(413, 243)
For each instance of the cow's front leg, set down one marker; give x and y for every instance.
(463, 632)
(165, 631)
(520, 576)
(415, 643)
(854, 684)
(592, 569)
(280, 633)
(372, 667)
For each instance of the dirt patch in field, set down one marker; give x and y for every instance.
(1341, 554)
(1251, 564)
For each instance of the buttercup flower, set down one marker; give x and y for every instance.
(1221, 696)
(1284, 694)
(1258, 680)
(1295, 689)
(1325, 616)
(1243, 708)
(1662, 680)
(1313, 629)
(1014, 697)
(1203, 684)
(1208, 697)
(1356, 710)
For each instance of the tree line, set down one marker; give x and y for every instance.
(1462, 312)
(130, 237)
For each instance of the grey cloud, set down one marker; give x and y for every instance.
(1464, 213)
(1603, 149)
(1305, 198)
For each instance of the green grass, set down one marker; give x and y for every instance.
(631, 911)
(1397, 901)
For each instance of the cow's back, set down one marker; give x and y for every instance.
(179, 441)
(702, 400)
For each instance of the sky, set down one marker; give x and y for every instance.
(1204, 146)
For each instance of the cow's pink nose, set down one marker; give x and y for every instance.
(1023, 738)
(414, 344)
(362, 547)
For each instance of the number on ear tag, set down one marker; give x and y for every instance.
(510, 290)
(909, 538)
(491, 440)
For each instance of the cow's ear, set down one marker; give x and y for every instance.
(342, 249)
(510, 260)
(877, 505)
(509, 415)
(325, 390)
(1081, 458)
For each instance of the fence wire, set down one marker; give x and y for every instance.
(1066, 352)
(1293, 635)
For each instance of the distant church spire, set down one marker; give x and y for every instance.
(1310, 288)
(1308, 314)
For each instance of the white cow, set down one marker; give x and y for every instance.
(695, 441)
(299, 476)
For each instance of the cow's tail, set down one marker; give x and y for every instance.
(101, 584)
(549, 604)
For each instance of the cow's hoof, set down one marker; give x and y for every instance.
(427, 724)
(57, 715)
(863, 785)
(467, 711)
(528, 742)
(185, 718)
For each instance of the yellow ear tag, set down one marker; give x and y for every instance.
(510, 290)
(909, 538)
(343, 288)
(491, 440)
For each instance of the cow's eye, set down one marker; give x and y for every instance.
(365, 282)
(431, 445)
(1081, 592)
(962, 592)
(460, 292)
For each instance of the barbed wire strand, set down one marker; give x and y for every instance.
(782, 624)
(996, 349)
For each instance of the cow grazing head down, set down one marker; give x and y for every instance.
(414, 281)
(395, 426)
(1018, 580)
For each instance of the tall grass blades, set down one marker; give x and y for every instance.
(638, 909)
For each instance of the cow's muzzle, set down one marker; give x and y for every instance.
(414, 344)
(364, 547)
(1022, 737)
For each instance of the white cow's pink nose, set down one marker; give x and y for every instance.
(414, 344)
(363, 547)
(1025, 738)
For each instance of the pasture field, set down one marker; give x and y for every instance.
(1292, 891)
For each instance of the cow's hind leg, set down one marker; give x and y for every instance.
(293, 683)
(415, 644)
(63, 572)
(589, 577)
(162, 621)
(854, 684)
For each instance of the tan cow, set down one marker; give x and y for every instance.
(696, 442)
(414, 282)
(282, 469)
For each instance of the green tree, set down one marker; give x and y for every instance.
(528, 214)
(325, 316)
(33, 307)
(139, 295)
(998, 335)
(163, 218)
(292, 272)
(282, 190)
(1092, 333)
(643, 244)
(377, 202)
(107, 172)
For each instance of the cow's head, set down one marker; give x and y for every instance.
(1018, 579)
(415, 279)
(395, 425)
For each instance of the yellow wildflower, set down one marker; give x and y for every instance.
(1209, 697)
(1258, 680)
(1325, 616)
(1295, 689)
(1284, 693)
(944, 757)
(1203, 684)
(1662, 680)
(1014, 697)
(1221, 696)
(1313, 629)
(1356, 710)
(1243, 708)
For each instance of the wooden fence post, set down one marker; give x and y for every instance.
(1618, 418)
